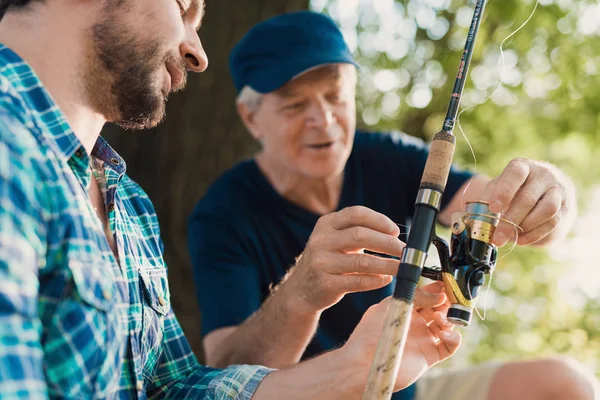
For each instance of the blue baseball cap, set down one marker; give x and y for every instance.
(278, 49)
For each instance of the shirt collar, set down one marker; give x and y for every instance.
(111, 158)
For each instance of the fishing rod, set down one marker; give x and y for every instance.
(473, 254)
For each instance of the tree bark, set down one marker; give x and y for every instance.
(200, 139)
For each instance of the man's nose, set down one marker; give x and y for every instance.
(320, 115)
(194, 55)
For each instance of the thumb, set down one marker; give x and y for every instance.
(488, 190)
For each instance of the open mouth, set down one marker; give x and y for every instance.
(320, 146)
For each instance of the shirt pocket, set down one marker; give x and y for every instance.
(93, 287)
(85, 336)
(155, 306)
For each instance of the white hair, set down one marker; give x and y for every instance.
(250, 98)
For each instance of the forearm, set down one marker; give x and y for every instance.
(329, 376)
(275, 336)
(339, 374)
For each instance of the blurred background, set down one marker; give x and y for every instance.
(541, 302)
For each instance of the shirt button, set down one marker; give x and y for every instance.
(140, 385)
(107, 295)
(111, 207)
(162, 301)
(115, 161)
(79, 153)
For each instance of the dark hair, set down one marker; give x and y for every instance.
(4, 4)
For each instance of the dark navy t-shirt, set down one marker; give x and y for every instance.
(244, 236)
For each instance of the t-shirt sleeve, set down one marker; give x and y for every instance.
(413, 154)
(228, 287)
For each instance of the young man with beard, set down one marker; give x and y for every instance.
(84, 298)
(296, 83)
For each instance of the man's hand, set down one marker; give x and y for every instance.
(431, 337)
(334, 262)
(535, 195)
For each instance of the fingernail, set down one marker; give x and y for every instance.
(497, 206)
(445, 334)
(443, 319)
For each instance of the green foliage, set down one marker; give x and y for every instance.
(547, 108)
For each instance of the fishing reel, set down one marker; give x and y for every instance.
(464, 264)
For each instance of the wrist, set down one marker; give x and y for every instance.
(329, 376)
(292, 300)
(292, 297)
(351, 372)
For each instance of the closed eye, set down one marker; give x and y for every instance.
(294, 106)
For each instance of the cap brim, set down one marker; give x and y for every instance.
(279, 73)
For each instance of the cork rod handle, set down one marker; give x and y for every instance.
(439, 161)
(382, 376)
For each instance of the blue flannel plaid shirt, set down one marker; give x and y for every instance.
(75, 322)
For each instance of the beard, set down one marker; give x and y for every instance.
(123, 74)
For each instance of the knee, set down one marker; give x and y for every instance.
(566, 378)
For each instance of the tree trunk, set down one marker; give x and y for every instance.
(201, 137)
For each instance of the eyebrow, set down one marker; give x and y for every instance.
(287, 93)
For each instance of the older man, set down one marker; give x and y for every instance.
(279, 278)
(84, 299)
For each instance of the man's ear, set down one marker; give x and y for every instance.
(248, 118)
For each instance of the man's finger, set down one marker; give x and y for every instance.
(425, 299)
(362, 282)
(540, 232)
(441, 321)
(365, 217)
(436, 287)
(549, 205)
(360, 237)
(449, 343)
(362, 264)
(433, 287)
(431, 315)
(501, 190)
(525, 200)
(504, 233)
(438, 323)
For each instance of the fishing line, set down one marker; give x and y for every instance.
(502, 67)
